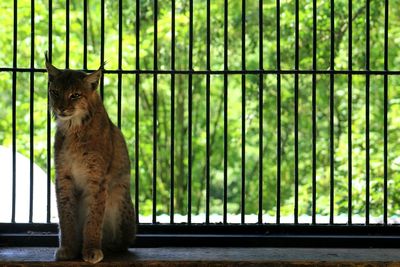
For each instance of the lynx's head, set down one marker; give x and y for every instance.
(72, 93)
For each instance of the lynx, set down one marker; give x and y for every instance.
(92, 169)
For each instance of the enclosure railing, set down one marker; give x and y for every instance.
(280, 107)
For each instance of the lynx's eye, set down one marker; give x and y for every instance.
(75, 96)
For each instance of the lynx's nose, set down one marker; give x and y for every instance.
(62, 112)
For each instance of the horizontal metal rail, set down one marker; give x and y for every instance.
(233, 235)
(228, 72)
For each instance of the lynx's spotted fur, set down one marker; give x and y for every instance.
(92, 169)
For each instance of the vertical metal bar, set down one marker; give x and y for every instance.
(385, 117)
(349, 114)
(172, 193)
(137, 82)
(67, 4)
(190, 111)
(367, 118)
(225, 211)
(155, 109)
(243, 202)
(260, 112)
(31, 111)
(119, 98)
(50, 50)
(296, 116)
(85, 11)
(208, 97)
(314, 115)
(278, 111)
(102, 44)
(332, 115)
(14, 111)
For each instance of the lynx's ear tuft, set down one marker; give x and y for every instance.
(102, 65)
(94, 78)
(51, 70)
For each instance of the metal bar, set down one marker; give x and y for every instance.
(349, 114)
(85, 12)
(303, 230)
(172, 193)
(14, 111)
(296, 116)
(278, 112)
(190, 112)
(48, 127)
(287, 241)
(102, 44)
(208, 98)
(385, 116)
(225, 205)
(261, 113)
(232, 235)
(314, 115)
(230, 72)
(243, 197)
(31, 112)
(155, 117)
(367, 118)
(137, 83)
(332, 116)
(119, 83)
(67, 21)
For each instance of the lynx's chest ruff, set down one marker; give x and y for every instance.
(73, 162)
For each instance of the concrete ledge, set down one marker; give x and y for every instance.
(213, 257)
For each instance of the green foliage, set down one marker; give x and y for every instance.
(235, 98)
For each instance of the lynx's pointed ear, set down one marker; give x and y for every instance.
(94, 78)
(51, 70)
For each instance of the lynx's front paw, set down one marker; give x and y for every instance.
(92, 255)
(66, 253)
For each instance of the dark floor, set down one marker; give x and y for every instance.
(214, 257)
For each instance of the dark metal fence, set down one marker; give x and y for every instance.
(207, 233)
